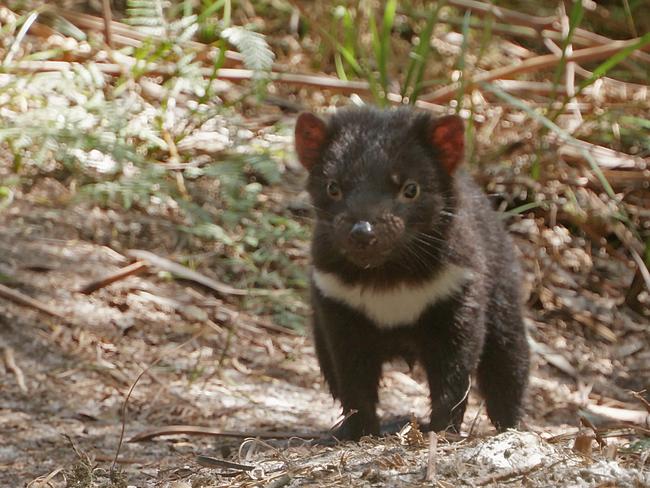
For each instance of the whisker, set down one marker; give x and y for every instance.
(412, 255)
(427, 239)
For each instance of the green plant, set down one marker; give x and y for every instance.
(418, 57)
(6, 196)
(373, 62)
(122, 149)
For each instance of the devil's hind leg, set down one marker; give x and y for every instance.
(503, 369)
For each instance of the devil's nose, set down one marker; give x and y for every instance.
(363, 234)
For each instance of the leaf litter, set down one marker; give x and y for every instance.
(220, 362)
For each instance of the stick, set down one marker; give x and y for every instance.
(522, 86)
(431, 460)
(581, 36)
(120, 274)
(643, 269)
(529, 65)
(128, 395)
(108, 20)
(21, 299)
(639, 417)
(265, 324)
(199, 430)
(635, 288)
(604, 157)
(230, 74)
(505, 15)
(213, 462)
(185, 273)
(107, 458)
(491, 479)
(638, 396)
(10, 362)
(125, 35)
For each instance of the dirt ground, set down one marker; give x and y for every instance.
(207, 362)
(90, 386)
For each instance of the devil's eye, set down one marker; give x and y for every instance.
(333, 190)
(410, 190)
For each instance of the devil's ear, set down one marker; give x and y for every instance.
(311, 134)
(447, 136)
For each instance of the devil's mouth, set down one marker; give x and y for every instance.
(367, 259)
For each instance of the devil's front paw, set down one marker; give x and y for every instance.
(356, 426)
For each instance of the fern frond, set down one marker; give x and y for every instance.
(252, 46)
(147, 15)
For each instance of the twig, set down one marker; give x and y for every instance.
(125, 35)
(83, 457)
(250, 446)
(280, 481)
(464, 398)
(431, 459)
(529, 65)
(553, 357)
(186, 273)
(230, 74)
(589, 424)
(265, 324)
(470, 432)
(208, 431)
(622, 430)
(604, 157)
(128, 395)
(624, 88)
(639, 417)
(108, 18)
(638, 395)
(64, 66)
(106, 458)
(581, 37)
(487, 480)
(541, 24)
(513, 30)
(582, 444)
(504, 14)
(635, 288)
(212, 462)
(120, 274)
(21, 299)
(10, 363)
(15, 46)
(643, 269)
(628, 181)
(346, 416)
(518, 86)
(45, 479)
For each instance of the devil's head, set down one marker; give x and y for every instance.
(380, 180)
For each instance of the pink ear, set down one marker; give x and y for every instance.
(311, 133)
(447, 135)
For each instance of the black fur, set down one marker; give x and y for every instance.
(370, 154)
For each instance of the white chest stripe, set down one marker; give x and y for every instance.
(398, 306)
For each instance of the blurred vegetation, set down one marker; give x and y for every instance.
(120, 146)
(135, 139)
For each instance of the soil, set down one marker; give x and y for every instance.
(151, 351)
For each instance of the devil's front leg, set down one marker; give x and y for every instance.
(347, 350)
(450, 346)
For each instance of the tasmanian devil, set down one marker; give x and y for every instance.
(409, 260)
